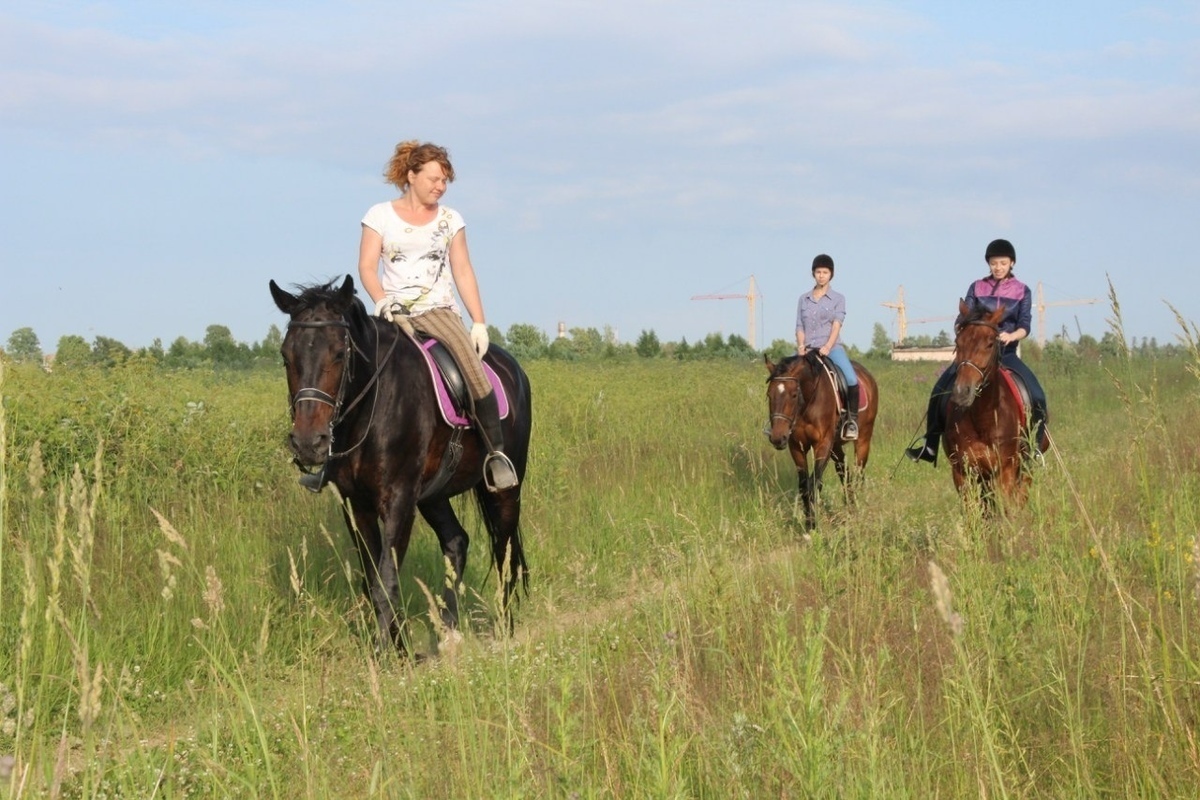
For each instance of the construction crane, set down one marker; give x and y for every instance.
(749, 296)
(1041, 311)
(902, 320)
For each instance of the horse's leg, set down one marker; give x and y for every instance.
(385, 590)
(838, 455)
(363, 525)
(1014, 481)
(439, 513)
(806, 484)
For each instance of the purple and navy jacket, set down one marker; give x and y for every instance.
(1012, 295)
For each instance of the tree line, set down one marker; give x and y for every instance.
(218, 349)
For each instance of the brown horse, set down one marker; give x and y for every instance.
(804, 416)
(987, 436)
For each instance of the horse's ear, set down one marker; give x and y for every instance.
(770, 364)
(284, 301)
(344, 297)
(964, 307)
(997, 315)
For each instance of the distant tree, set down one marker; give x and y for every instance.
(108, 352)
(648, 345)
(185, 354)
(737, 347)
(881, 343)
(780, 349)
(942, 339)
(1111, 346)
(154, 351)
(221, 348)
(272, 341)
(73, 352)
(24, 347)
(582, 343)
(527, 342)
(495, 336)
(683, 350)
(1087, 347)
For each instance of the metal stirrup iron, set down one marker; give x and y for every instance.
(498, 472)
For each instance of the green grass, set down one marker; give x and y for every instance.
(179, 618)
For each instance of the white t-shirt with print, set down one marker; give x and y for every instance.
(415, 259)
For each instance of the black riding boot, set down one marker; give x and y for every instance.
(498, 470)
(927, 448)
(850, 426)
(1038, 422)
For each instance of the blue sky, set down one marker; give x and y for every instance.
(161, 162)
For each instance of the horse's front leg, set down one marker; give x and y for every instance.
(363, 524)
(385, 589)
(1014, 482)
(807, 488)
(454, 541)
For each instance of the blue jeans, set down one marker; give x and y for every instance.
(837, 354)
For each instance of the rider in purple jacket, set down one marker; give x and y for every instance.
(1000, 289)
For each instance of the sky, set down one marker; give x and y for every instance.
(161, 162)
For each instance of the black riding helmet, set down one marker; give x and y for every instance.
(823, 261)
(1000, 248)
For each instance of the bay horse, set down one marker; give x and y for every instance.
(803, 404)
(987, 436)
(365, 414)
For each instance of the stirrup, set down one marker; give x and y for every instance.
(850, 430)
(498, 472)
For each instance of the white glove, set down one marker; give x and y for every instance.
(388, 307)
(479, 338)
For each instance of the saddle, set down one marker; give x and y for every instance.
(1020, 392)
(1016, 387)
(838, 381)
(451, 387)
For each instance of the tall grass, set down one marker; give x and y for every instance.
(178, 618)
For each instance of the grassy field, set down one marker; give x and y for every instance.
(178, 618)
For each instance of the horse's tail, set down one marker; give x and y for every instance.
(504, 532)
(501, 512)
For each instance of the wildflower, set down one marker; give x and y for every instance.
(943, 600)
(214, 592)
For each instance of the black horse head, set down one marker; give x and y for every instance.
(318, 357)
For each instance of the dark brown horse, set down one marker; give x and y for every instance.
(987, 436)
(364, 412)
(804, 416)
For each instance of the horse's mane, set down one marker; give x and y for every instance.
(310, 297)
(327, 294)
(975, 312)
(783, 366)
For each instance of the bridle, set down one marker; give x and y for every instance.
(984, 374)
(311, 394)
(791, 421)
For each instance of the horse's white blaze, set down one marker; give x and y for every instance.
(779, 388)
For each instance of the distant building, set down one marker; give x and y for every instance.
(941, 354)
